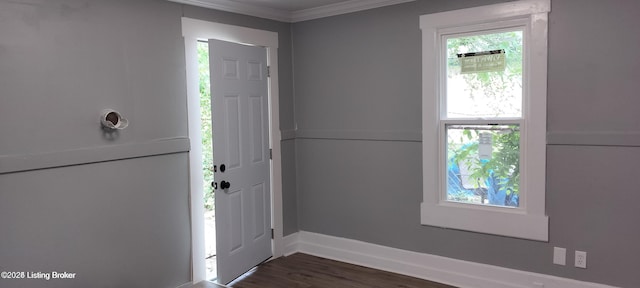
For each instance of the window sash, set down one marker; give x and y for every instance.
(480, 29)
(442, 162)
(444, 120)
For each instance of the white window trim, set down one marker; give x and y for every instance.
(528, 221)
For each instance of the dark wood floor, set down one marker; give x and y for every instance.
(305, 271)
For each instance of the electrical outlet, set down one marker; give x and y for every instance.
(559, 256)
(581, 259)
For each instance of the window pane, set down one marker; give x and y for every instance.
(484, 75)
(483, 164)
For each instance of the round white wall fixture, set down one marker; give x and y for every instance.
(112, 119)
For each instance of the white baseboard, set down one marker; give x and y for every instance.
(458, 273)
(201, 284)
(291, 243)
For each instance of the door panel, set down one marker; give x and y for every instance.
(240, 142)
(259, 195)
(257, 130)
(232, 120)
(235, 220)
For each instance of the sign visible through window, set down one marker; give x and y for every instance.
(488, 61)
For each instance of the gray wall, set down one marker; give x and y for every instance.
(357, 107)
(117, 222)
(63, 61)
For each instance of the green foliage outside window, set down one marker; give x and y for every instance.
(205, 128)
(498, 87)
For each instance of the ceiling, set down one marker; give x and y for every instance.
(291, 10)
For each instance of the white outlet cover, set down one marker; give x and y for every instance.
(581, 259)
(559, 256)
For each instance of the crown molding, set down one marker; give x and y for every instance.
(295, 16)
(341, 8)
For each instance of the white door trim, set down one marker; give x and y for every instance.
(192, 31)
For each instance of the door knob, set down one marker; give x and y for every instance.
(225, 185)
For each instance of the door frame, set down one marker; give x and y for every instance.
(192, 31)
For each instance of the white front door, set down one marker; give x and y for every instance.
(241, 154)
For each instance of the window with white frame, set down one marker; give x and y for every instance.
(484, 119)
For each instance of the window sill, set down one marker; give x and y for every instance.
(505, 223)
